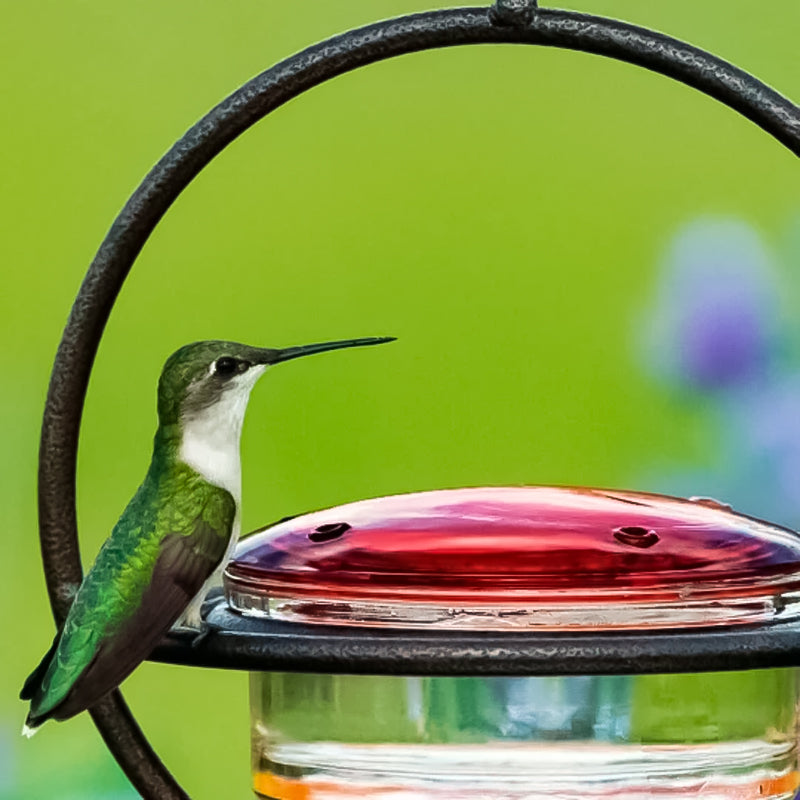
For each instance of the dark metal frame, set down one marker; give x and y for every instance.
(507, 22)
(254, 644)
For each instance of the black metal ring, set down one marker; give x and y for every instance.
(271, 89)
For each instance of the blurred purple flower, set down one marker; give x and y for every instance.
(716, 329)
(715, 322)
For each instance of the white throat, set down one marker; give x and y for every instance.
(210, 441)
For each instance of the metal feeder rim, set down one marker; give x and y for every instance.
(508, 22)
(264, 645)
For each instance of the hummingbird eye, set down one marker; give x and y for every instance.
(226, 366)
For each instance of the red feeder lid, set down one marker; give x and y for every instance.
(520, 558)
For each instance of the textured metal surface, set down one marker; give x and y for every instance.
(267, 645)
(128, 745)
(511, 22)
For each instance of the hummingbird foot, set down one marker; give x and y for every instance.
(196, 635)
(193, 621)
(208, 629)
(192, 617)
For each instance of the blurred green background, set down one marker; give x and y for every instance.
(502, 210)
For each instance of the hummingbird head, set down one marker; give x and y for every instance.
(202, 397)
(202, 377)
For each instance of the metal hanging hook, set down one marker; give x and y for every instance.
(513, 12)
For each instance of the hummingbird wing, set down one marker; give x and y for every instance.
(123, 608)
(184, 564)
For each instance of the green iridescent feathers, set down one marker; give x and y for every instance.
(157, 558)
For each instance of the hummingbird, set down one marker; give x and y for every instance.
(175, 536)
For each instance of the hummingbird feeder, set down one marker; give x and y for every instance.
(473, 643)
(495, 632)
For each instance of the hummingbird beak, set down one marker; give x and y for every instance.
(287, 353)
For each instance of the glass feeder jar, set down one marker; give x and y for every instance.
(518, 639)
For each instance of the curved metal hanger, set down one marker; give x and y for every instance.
(507, 22)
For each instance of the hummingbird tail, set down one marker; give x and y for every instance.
(32, 688)
(34, 680)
